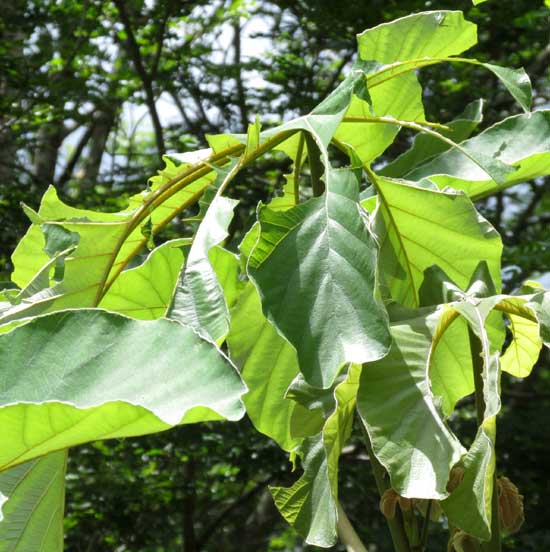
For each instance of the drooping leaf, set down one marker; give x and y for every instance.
(517, 83)
(408, 434)
(451, 366)
(469, 505)
(426, 146)
(311, 504)
(314, 266)
(78, 376)
(33, 512)
(199, 300)
(539, 303)
(521, 140)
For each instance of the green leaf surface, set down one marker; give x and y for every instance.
(268, 364)
(314, 266)
(145, 292)
(521, 140)
(451, 366)
(399, 97)
(469, 505)
(426, 146)
(407, 432)
(84, 270)
(539, 303)
(524, 349)
(78, 376)
(33, 513)
(311, 504)
(107, 241)
(176, 165)
(418, 227)
(432, 34)
(517, 83)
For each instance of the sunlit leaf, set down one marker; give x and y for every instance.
(423, 35)
(419, 227)
(78, 376)
(268, 364)
(145, 292)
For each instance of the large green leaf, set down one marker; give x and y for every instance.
(433, 34)
(84, 270)
(311, 504)
(314, 266)
(407, 432)
(427, 38)
(268, 364)
(78, 376)
(33, 513)
(521, 140)
(319, 126)
(419, 226)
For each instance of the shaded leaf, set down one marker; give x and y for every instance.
(199, 300)
(314, 266)
(426, 146)
(517, 83)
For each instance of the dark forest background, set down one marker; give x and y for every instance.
(93, 93)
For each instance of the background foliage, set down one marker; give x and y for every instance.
(93, 93)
